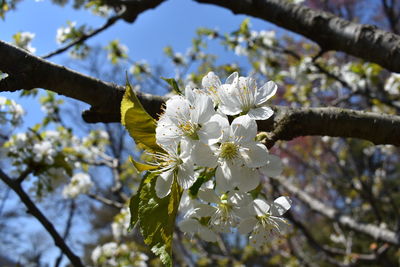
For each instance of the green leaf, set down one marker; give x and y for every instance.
(141, 167)
(134, 203)
(173, 84)
(140, 125)
(157, 218)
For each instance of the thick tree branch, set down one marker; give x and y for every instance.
(374, 231)
(105, 99)
(133, 7)
(328, 30)
(289, 123)
(34, 211)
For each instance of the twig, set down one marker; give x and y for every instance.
(34, 211)
(67, 230)
(106, 201)
(85, 36)
(371, 230)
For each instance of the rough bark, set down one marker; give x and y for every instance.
(329, 31)
(27, 71)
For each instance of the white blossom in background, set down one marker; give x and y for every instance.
(44, 151)
(58, 176)
(10, 111)
(63, 33)
(114, 254)
(80, 184)
(392, 84)
(298, 1)
(266, 222)
(120, 224)
(23, 40)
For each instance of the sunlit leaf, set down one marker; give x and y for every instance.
(140, 125)
(141, 167)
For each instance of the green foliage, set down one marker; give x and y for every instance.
(174, 85)
(156, 216)
(116, 51)
(140, 125)
(141, 167)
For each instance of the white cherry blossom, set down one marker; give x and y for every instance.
(245, 97)
(80, 184)
(176, 164)
(195, 225)
(191, 118)
(236, 157)
(225, 211)
(213, 86)
(266, 222)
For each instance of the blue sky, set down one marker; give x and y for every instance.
(172, 23)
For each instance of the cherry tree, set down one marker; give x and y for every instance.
(290, 158)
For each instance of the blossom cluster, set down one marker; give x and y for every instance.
(197, 136)
(10, 112)
(114, 254)
(54, 155)
(23, 40)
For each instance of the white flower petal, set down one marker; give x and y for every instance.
(229, 100)
(189, 226)
(247, 225)
(177, 109)
(207, 234)
(244, 128)
(254, 154)
(281, 206)
(234, 76)
(274, 166)
(260, 113)
(189, 94)
(266, 92)
(185, 175)
(204, 210)
(260, 207)
(203, 156)
(163, 184)
(208, 195)
(210, 132)
(249, 179)
(203, 108)
(167, 132)
(211, 81)
(259, 237)
(239, 198)
(223, 179)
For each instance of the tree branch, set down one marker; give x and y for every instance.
(371, 230)
(326, 29)
(34, 211)
(105, 98)
(111, 21)
(289, 123)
